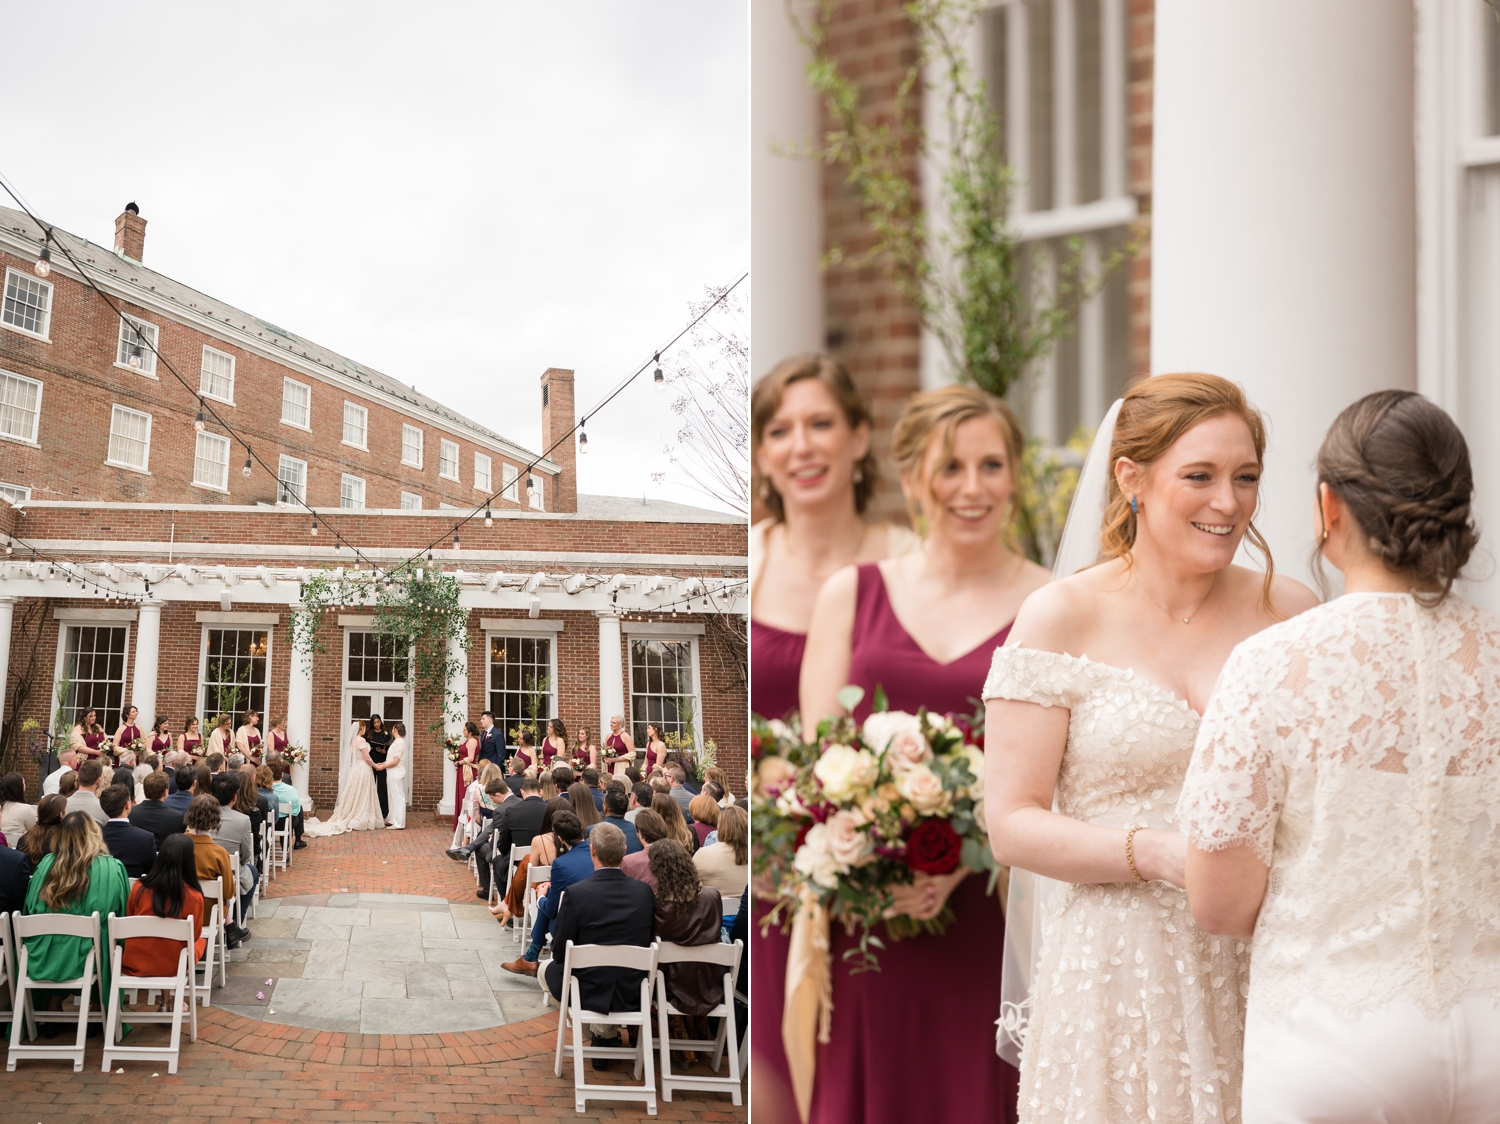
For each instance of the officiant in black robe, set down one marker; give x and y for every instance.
(380, 741)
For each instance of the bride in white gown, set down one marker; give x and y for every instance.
(1092, 708)
(358, 805)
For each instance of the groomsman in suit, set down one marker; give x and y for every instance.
(133, 846)
(152, 814)
(491, 742)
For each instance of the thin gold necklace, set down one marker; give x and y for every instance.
(1189, 618)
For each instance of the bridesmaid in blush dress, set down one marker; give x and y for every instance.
(814, 476)
(922, 627)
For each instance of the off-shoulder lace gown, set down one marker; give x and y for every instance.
(358, 804)
(1138, 1014)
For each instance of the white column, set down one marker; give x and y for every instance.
(458, 691)
(1284, 218)
(611, 672)
(147, 657)
(299, 714)
(7, 614)
(786, 193)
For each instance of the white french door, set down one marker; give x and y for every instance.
(373, 685)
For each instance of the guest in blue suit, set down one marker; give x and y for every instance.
(573, 864)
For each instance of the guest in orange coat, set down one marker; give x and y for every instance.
(170, 889)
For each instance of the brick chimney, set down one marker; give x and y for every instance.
(557, 419)
(130, 233)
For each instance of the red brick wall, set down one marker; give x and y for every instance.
(81, 384)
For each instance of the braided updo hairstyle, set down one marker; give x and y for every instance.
(1401, 466)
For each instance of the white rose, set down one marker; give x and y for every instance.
(922, 788)
(879, 729)
(815, 861)
(779, 729)
(907, 750)
(975, 757)
(846, 843)
(843, 770)
(774, 773)
(936, 722)
(979, 816)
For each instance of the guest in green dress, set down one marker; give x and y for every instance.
(78, 876)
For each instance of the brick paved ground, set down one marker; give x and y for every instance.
(252, 1069)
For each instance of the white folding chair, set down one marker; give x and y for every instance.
(181, 987)
(716, 953)
(8, 974)
(87, 986)
(535, 875)
(218, 942)
(281, 845)
(731, 910)
(573, 1014)
(518, 851)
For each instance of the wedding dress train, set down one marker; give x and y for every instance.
(358, 805)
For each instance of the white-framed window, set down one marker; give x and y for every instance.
(211, 462)
(217, 377)
(536, 492)
(234, 667)
(92, 664)
(129, 439)
(411, 445)
(509, 473)
(28, 304)
(372, 658)
(663, 684)
(352, 491)
(482, 472)
(1057, 79)
(410, 501)
(356, 426)
(522, 681)
(137, 348)
(448, 459)
(291, 480)
(20, 407)
(296, 403)
(15, 493)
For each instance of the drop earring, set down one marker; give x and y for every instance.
(859, 475)
(1135, 507)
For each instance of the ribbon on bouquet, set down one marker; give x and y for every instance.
(806, 1019)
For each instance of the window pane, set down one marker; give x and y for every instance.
(217, 379)
(94, 682)
(521, 687)
(129, 437)
(27, 302)
(211, 461)
(19, 399)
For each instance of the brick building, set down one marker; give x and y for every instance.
(145, 568)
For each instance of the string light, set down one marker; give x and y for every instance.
(657, 378)
(583, 439)
(246, 470)
(489, 519)
(43, 264)
(198, 422)
(315, 528)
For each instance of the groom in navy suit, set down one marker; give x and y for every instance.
(492, 745)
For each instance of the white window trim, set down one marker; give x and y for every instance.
(17, 488)
(695, 645)
(344, 439)
(363, 493)
(421, 444)
(36, 430)
(62, 648)
(410, 495)
(237, 626)
(201, 372)
(351, 624)
(228, 449)
(144, 469)
(148, 353)
(457, 452)
(305, 428)
(296, 460)
(44, 337)
(489, 485)
(510, 487)
(522, 633)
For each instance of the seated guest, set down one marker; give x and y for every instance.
(68, 762)
(677, 826)
(543, 851)
(290, 800)
(265, 786)
(516, 824)
(571, 866)
(38, 841)
(212, 861)
(563, 776)
(78, 876)
(497, 790)
(233, 762)
(640, 799)
(123, 773)
(237, 833)
(215, 762)
(16, 816)
(68, 785)
(133, 846)
(687, 913)
(192, 780)
(651, 829)
(257, 807)
(582, 798)
(590, 778)
(605, 908)
(489, 798)
(86, 799)
(677, 778)
(717, 777)
(15, 873)
(169, 889)
(705, 812)
(153, 813)
(725, 865)
(151, 763)
(615, 803)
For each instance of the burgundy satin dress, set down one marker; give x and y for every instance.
(916, 1040)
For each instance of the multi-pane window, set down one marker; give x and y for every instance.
(137, 345)
(20, 406)
(410, 501)
(296, 403)
(373, 659)
(521, 682)
(481, 472)
(509, 473)
(352, 491)
(291, 480)
(15, 493)
(28, 303)
(129, 438)
(356, 425)
(93, 673)
(234, 673)
(411, 445)
(217, 377)
(448, 459)
(662, 688)
(211, 461)
(536, 492)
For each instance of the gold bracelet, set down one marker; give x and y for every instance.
(1130, 852)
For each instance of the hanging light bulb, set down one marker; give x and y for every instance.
(659, 379)
(198, 422)
(315, 528)
(583, 439)
(246, 470)
(530, 487)
(455, 540)
(10, 547)
(43, 264)
(489, 520)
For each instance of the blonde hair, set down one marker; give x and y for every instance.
(943, 411)
(489, 771)
(75, 843)
(1154, 415)
(734, 831)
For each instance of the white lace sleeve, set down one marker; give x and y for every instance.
(1235, 785)
(1028, 675)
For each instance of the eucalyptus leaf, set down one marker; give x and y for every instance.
(850, 697)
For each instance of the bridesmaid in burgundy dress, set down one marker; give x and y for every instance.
(161, 736)
(190, 741)
(814, 476)
(923, 627)
(128, 732)
(276, 739)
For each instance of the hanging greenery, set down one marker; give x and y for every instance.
(414, 609)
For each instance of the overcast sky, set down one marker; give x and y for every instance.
(460, 195)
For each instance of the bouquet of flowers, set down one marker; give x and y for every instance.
(452, 744)
(847, 820)
(296, 754)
